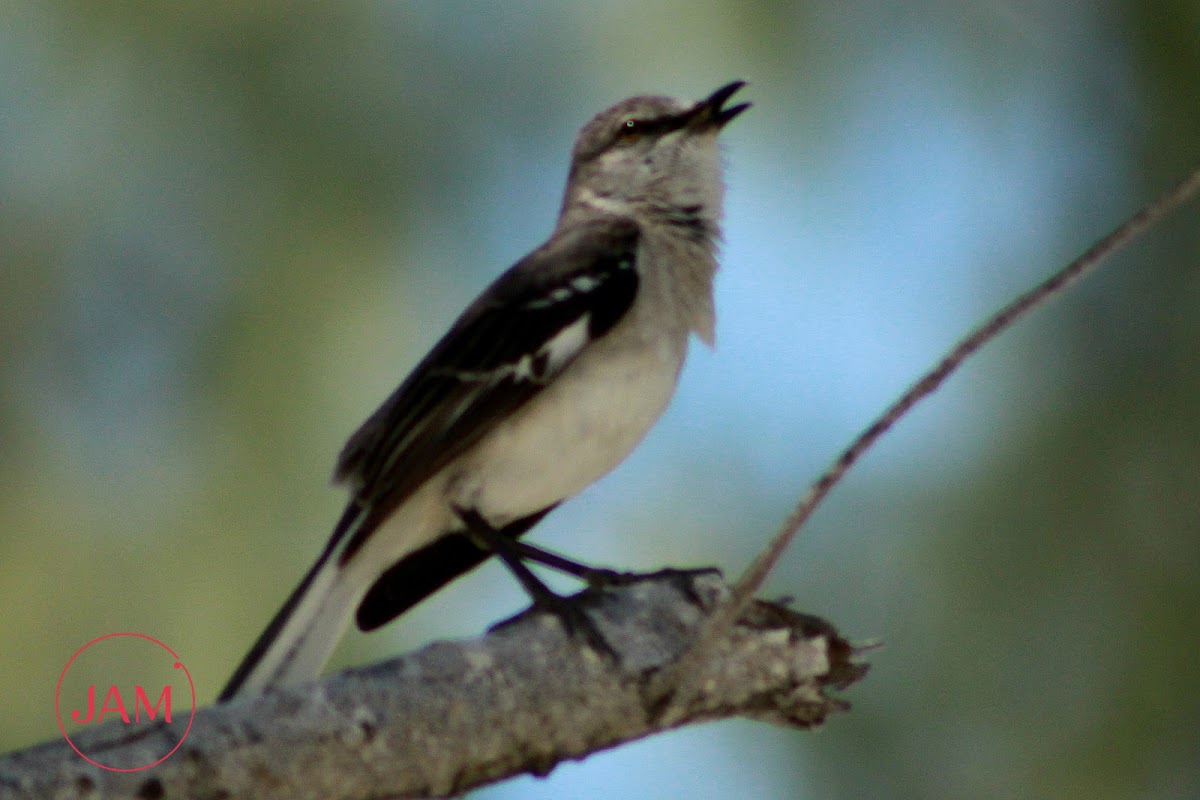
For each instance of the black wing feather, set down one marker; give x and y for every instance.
(425, 571)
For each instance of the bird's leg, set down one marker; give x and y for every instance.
(573, 618)
(595, 577)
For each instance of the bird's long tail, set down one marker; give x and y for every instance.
(302, 636)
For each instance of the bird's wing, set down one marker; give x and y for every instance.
(514, 340)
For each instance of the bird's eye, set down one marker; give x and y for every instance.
(631, 127)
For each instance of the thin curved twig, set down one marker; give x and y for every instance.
(679, 684)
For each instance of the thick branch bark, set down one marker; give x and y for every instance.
(456, 715)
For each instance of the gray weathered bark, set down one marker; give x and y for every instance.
(456, 715)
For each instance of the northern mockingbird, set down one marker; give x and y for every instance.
(543, 385)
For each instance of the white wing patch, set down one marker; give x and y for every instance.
(585, 283)
(565, 344)
(557, 296)
(579, 285)
(540, 366)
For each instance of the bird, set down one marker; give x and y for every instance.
(544, 384)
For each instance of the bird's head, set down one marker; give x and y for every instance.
(653, 155)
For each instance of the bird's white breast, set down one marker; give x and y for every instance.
(574, 431)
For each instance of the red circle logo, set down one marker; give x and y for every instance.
(115, 683)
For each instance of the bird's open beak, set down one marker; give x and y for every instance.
(712, 112)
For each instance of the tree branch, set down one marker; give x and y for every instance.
(457, 715)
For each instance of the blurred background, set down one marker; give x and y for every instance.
(228, 229)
